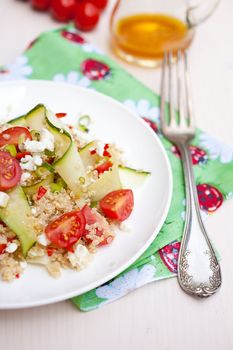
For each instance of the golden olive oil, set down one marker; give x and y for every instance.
(149, 35)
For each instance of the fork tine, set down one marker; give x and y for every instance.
(180, 75)
(171, 99)
(188, 92)
(163, 92)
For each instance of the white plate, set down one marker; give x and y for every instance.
(112, 122)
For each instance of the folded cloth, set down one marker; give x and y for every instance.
(63, 55)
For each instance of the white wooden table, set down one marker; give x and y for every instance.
(158, 316)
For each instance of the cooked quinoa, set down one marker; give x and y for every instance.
(49, 207)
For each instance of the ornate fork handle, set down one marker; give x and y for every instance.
(198, 268)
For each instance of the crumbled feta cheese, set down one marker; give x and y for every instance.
(23, 264)
(100, 148)
(33, 146)
(34, 211)
(124, 227)
(4, 198)
(24, 177)
(47, 139)
(46, 142)
(37, 160)
(30, 162)
(43, 240)
(11, 247)
(82, 135)
(80, 258)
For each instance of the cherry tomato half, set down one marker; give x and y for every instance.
(41, 5)
(12, 135)
(63, 10)
(93, 217)
(118, 205)
(86, 15)
(66, 230)
(10, 171)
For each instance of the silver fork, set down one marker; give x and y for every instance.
(198, 268)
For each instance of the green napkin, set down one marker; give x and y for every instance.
(63, 55)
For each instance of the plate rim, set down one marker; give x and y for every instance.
(95, 284)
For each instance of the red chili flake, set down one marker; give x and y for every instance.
(106, 153)
(2, 248)
(41, 192)
(50, 160)
(61, 115)
(50, 250)
(104, 167)
(17, 275)
(93, 151)
(22, 155)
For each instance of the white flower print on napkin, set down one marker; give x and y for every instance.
(73, 78)
(216, 148)
(126, 283)
(143, 108)
(18, 70)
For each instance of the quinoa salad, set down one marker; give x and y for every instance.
(62, 194)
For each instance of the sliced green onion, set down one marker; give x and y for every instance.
(11, 149)
(49, 153)
(40, 171)
(35, 134)
(82, 180)
(49, 167)
(94, 204)
(83, 123)
(61, 182)
(56, 187)
(21, 139)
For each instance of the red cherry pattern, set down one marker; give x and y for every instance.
(31, 44)
(4, 71)
(210, 198)
(73, 37)
(198, 155)
(152, 124)
(95, 70)
(169, 255)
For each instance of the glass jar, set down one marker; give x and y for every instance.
(142, 30)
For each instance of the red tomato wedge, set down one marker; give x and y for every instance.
(118, 205)
(104, 167)
(66, 230)
(92, 217)
(10, 171)
(12, 135)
